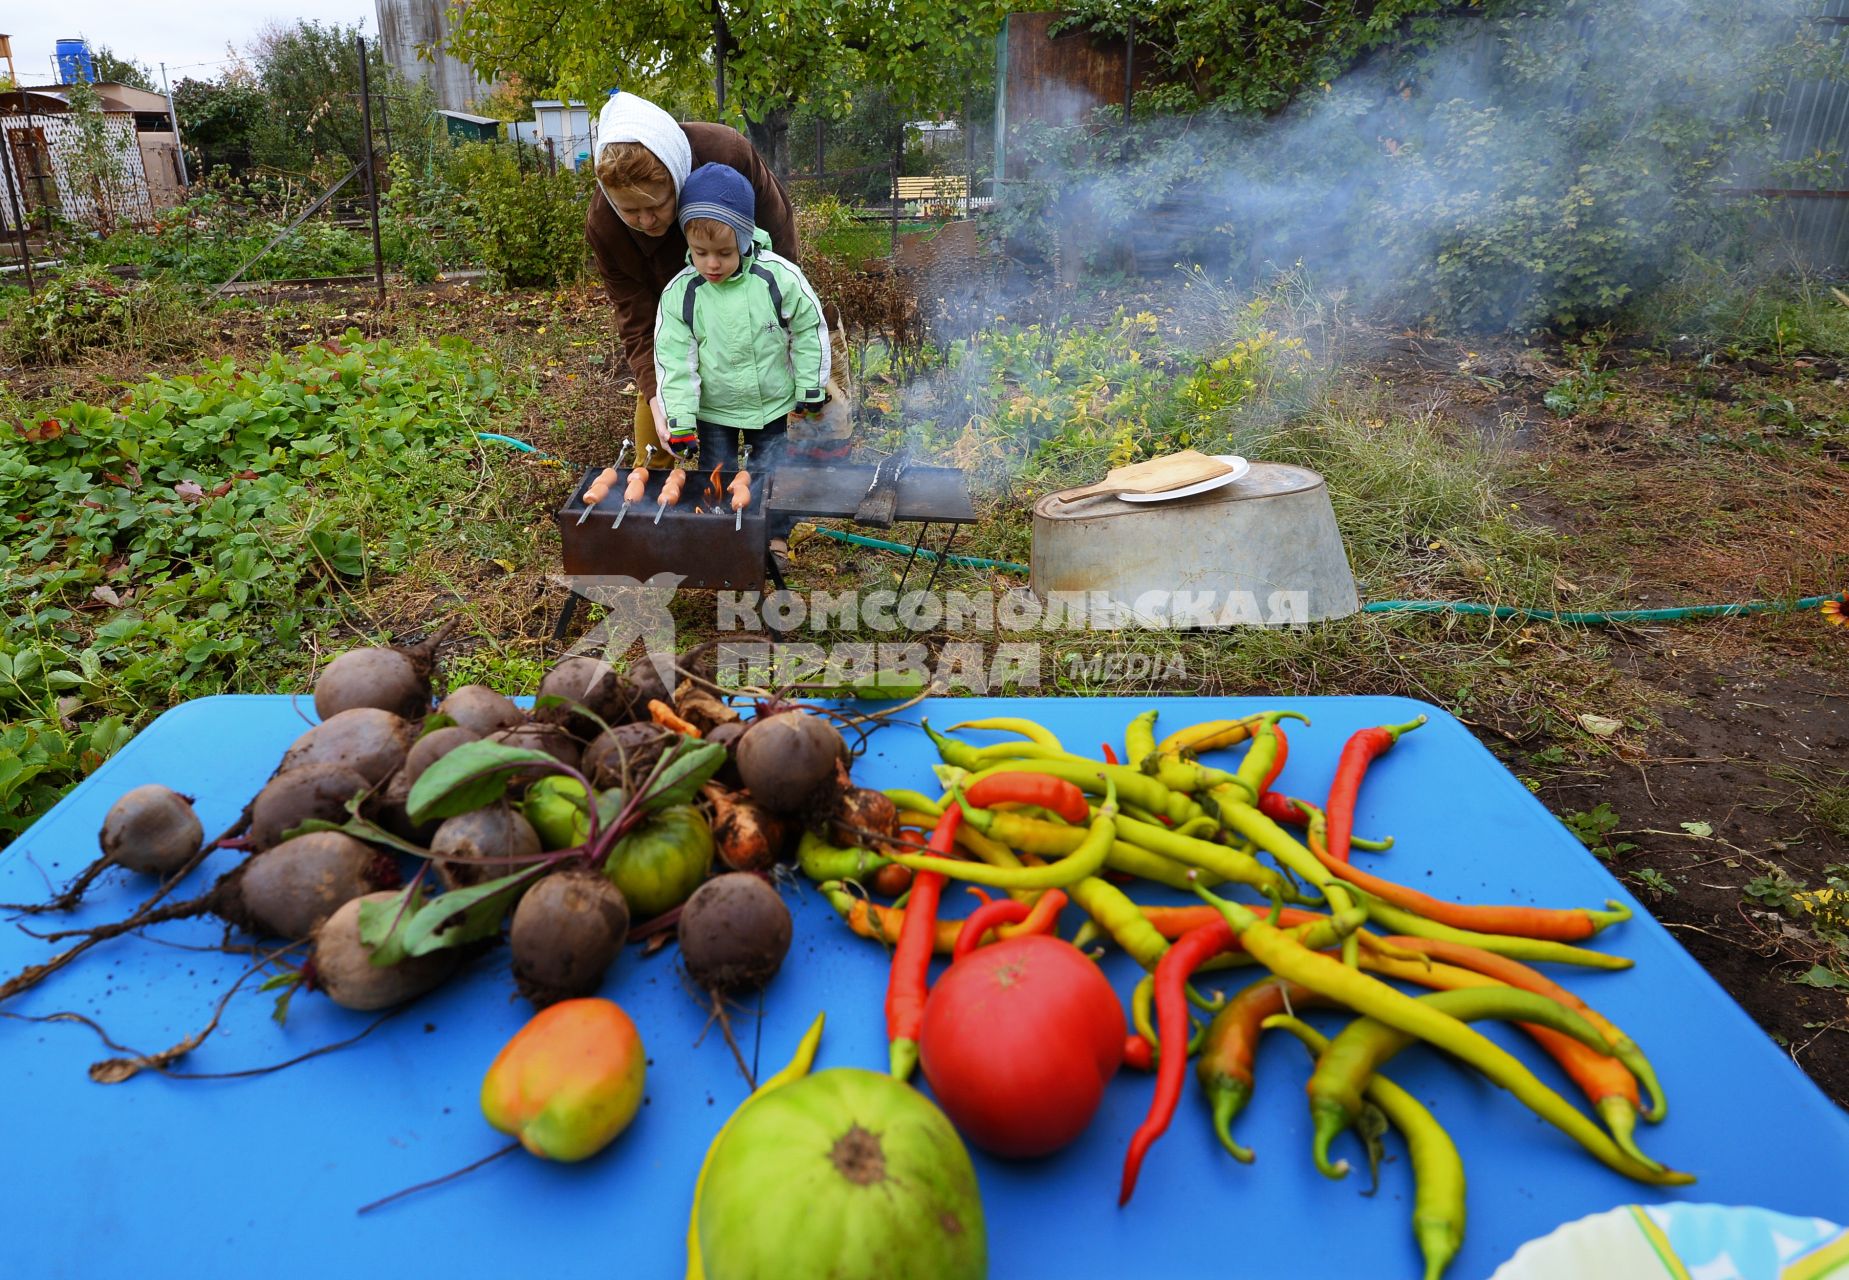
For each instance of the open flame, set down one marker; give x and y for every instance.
(714, 492)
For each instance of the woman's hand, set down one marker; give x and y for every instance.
(661, 417)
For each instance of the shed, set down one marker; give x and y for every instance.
(48, 171)
(464, 127)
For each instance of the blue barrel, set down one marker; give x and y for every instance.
(74, 61)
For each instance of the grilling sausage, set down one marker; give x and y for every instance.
(638, 483)
(672, 486)
(741, 490)
(605, 481)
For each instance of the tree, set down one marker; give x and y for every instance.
(112, 69)
(764, 56)
(95, 159)
(310, 80)
(219, 119)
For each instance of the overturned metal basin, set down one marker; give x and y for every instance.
(1262, 551)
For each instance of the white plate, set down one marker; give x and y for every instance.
(1239, 467)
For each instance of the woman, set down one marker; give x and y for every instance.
(643, 157)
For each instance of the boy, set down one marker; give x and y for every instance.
(740, 342)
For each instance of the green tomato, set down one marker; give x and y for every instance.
(555, 806)
(661, 862)
(876, 1175)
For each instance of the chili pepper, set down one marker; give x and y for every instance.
(1542, 950)
(821, 861)
(1281, 809)
(1214, 734)
(1089, 775)
(1143, 1007)
(1172, 973)
(1277, 763)
(1110, 756)
(951, 751)
(914, 802)
(1437, 1169)
(1226, 863)
(911, 959)
(1039, 918)
(1140, 739)
(1263, 759)
(1366, 1044)
(1373, 998)
(1249, 822)
(1517, 974)
(1056, 840)
(1086, 860)
(1607, 1083)
(1138, 1056)
(1118, 916)
(1055, 794)
(1028, 729)
(1559, 925)
(884, 924)
(1224, 1067)
(1361, 750)
(1177, 965)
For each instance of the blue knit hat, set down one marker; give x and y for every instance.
(722, 193)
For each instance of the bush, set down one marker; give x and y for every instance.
(526, 225)
(89, 309)
(184, 540)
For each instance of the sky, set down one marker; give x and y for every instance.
(182, 34)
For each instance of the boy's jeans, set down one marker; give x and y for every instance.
(719, 448)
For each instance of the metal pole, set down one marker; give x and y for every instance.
(372, 184)
(12, 190)
(898, 163)
(1129, 65)
(173, 118)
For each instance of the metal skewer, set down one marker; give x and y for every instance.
(616, 466)
(738, 516)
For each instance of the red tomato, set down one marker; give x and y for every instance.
(1019, 1040)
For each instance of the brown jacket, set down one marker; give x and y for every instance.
(635, 268)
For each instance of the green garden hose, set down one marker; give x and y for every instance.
(1580, 618)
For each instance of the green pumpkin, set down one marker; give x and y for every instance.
(661, 862)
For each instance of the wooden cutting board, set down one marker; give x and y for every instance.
(1158, 475)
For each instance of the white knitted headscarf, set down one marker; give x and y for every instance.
(627, 118)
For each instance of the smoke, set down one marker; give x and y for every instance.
(1537, 167)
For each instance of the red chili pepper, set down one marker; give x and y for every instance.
(1177, 965)
(1039, 918)
(1361, 751)
(1055, 794)
(1138, 1056)
(909, 981)
(1110, 756)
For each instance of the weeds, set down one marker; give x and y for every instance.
(87, 310)
(1594, 827)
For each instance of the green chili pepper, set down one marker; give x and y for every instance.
(1140, 741)
(1087, 860)
(821, 861)
(1437, 1169)
(914, 801)
(1028, 729)
(1224, 862)
(1372, 998)
(1366, 1045)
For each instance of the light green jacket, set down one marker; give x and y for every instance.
(742, 352)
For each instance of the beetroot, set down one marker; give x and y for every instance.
(388, 679)
(787, 760)
(734, 933)
(391, 810)
(433, 746)
(862, 816)
(341, 965)
(549, 738)
(371, 742)
(289, 890)
(566, 932)
(587, 685)
(486, 844)
(626, 749)
(151, 829)
(477, 707)
(295, 796)
(727, 736)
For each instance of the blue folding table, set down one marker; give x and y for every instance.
(195, 1178)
